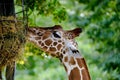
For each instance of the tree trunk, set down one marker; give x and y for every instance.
(7, 8)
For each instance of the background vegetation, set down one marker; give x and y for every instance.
(99, 43)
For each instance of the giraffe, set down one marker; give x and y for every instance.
(61, 44)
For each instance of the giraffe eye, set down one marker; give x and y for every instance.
(56, 34)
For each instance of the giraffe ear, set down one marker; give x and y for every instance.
(77, 31)
(57, 27)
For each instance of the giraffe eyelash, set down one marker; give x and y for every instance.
(56, 34)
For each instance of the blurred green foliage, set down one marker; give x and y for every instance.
(99, 43)
(45, 7)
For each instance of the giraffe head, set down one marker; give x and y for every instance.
(61, 43)
(54, 40)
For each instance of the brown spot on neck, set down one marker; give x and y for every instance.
(81, 62)
(66, 59)
(72, 61)
(74, 74)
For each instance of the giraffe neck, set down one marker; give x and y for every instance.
(75, 67)
(61, 44)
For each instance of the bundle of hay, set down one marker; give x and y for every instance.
(12, 38)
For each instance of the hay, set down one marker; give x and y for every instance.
(12, 39)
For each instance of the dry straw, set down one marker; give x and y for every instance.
(12, 39)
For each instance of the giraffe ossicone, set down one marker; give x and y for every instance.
(61, 44)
